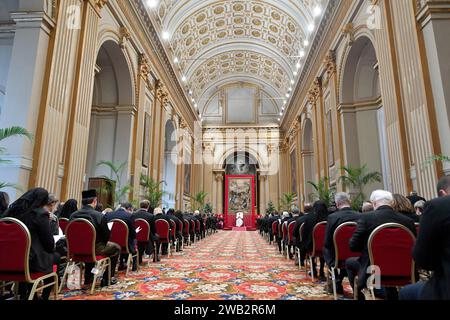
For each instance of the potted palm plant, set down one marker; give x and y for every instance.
(117, 171)
(322, 191)
(199, 200)
(152, 190)
(358, 179)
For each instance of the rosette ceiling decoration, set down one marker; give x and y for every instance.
(257, 44)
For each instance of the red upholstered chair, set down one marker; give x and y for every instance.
(15, 245)
(318, 238)
(197, 229)
(119, 235)
(284, 232)
(63, 222)
(186, 232)
(290, 235)
(143, 236)
(80, 237)
(390, 248)
(163, 230)
(275, 230)
(299, 253)
(180, 226)
(173, 232)
(341, 240)
(192, 229)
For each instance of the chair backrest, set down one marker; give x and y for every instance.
(180, 225)
(173, 228)
(119, 234)
(15, 244)
(284, 230)
(275, 228)
(291, 227)
(318, 238)
(80, 237)
(162, 229)
(300, 231)
(144, 234)
(63, 222)
(192, 223)
(417, 224)
(197, 225)
(341, 240)
(186, 227)
(390, 248)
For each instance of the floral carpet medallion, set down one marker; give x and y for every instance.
(225, 266)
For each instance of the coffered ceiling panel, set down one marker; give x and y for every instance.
(212, 42)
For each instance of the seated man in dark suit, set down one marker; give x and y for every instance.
(368, 222)
(432, 249)
(143, 213)
(178, 232)
(343, 215)
(124, 213)
(158, 212)
(103, 247)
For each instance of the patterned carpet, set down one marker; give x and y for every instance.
(225, 266)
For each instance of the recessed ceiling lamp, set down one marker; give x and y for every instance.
(306, 42)
(152, 3)
(298, 66)
(295, 73)
(317, 11)
(175, 60)
(166, 35)
(302, 53)
(184, 79)
(292, 81)
(311, 27)
(287, 95)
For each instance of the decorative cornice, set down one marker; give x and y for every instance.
(99, 4)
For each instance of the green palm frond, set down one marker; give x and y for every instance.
(152, 190)
(439, 158)
(6, 133)
(199, 199)
(322, 191)
(4, 185)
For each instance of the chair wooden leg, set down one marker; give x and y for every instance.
(312, 268)
(129, 262)
(56, 287)
(333, 279)
(66, 273)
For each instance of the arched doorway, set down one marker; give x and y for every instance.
(309, 168)
(112, 116)
(363, 117)
(170, 165)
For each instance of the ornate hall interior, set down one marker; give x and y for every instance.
(230, 112)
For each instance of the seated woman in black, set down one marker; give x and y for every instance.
(30, 210)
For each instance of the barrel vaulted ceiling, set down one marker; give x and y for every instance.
(214, 43)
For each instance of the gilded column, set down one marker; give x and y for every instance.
(79, 121)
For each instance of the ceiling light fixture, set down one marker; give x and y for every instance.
(175, 60)
(184, 79)
(166, 35)
(317, 11)
(152, 3)
(311, 27)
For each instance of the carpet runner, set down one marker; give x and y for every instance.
(225, 266)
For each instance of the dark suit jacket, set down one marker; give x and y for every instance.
(432, 250)
(310, 222)
(42, 242)
(298, 223)
(97, 219)
(367, 223)
(334, 221)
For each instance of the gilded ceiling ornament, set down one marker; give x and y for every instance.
(124, 36)
(349, 31)
(100, 3)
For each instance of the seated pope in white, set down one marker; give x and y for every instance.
(239, 219)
